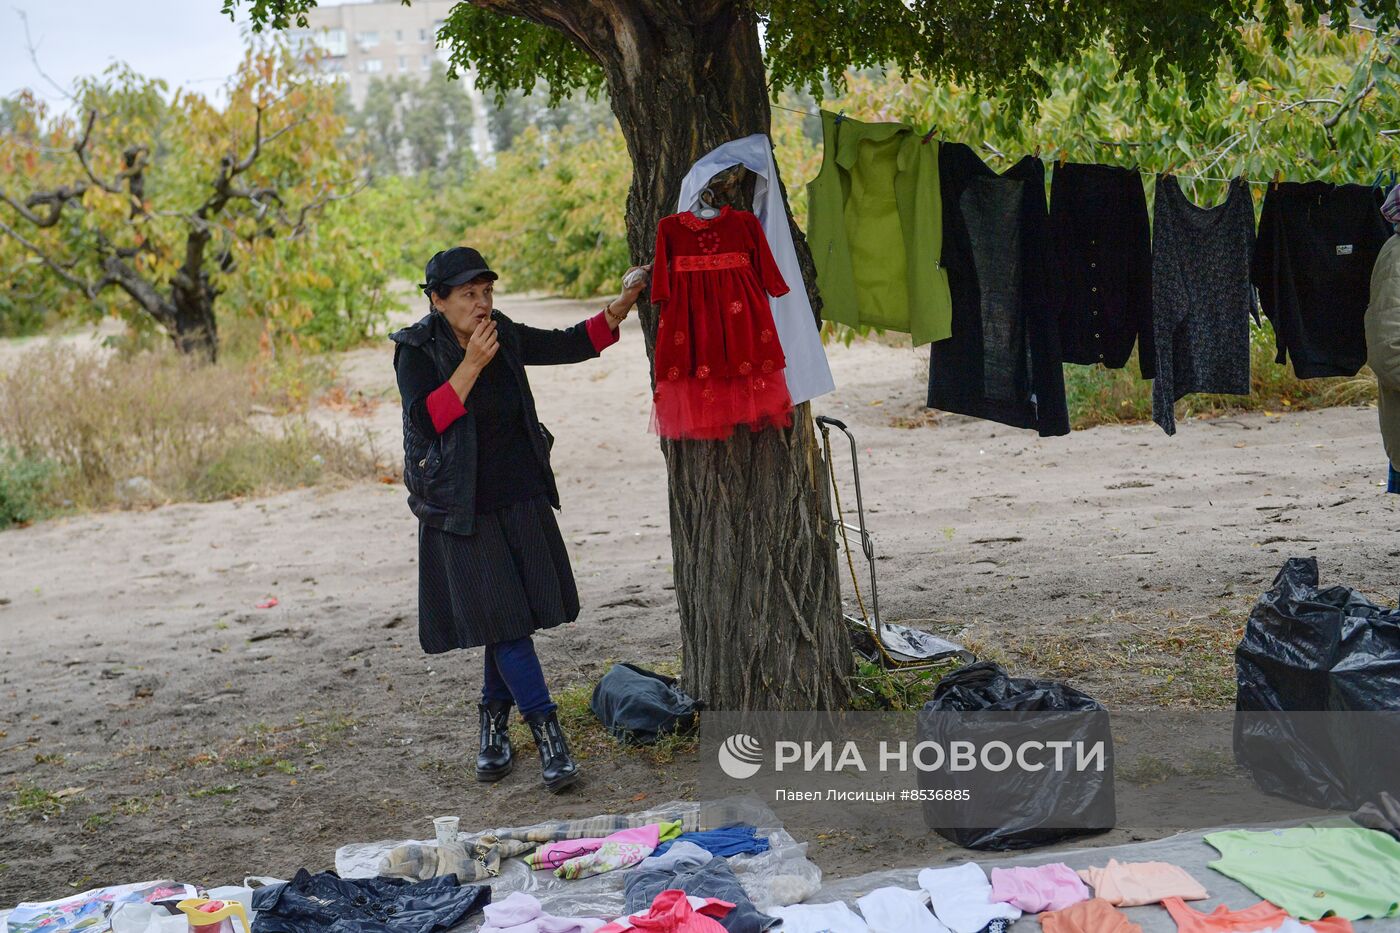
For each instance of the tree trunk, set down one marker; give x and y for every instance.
(186, 314)
(194, 329)
(190, 315)
(756, 573)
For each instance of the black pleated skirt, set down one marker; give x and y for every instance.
(507, 581)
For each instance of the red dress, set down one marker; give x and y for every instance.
(718, 360)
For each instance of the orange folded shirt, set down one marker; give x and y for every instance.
(1092, 916)
(1132, 884)
(1261, 916)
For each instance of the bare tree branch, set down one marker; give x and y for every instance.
(34, 57)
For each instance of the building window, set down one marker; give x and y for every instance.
(398, 35)
(332, 41)
(403, 63)
(422, 35)
(427, 62)
(367, 40)
(371, 66)
(333, 65)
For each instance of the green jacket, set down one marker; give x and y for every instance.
(875, 226)
(1383, 342)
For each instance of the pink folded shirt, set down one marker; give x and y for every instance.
(1044, 887)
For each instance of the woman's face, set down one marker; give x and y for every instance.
(467, 305)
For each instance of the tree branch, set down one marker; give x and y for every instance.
(88, 288)
(244, 164)
(34, 57)
(57, 198)
(561, 15)
(135, 165)
(1350, 105)
(322, 200)
(80, 148)
(118, 273)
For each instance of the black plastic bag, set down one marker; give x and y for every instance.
(327, 903)
(638, 706)
(980, 703)
(1318, 703)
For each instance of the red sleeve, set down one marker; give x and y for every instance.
(444, 407)
(660, 272)
(600, 332)
(768, 273)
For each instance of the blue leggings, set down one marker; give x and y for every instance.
(513, 674)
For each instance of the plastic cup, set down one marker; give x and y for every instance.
(445, 828)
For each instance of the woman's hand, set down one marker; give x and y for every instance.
(621, 306)
(483, 345)
(481, 348)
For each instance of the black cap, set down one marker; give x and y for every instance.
(454, 266)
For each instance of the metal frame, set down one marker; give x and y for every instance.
(894, 646)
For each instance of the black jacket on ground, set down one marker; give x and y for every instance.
(440, 470)
(1003, 361)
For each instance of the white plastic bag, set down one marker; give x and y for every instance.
(146, 918)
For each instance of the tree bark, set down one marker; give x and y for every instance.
(186, 314)
(195, 330)
(756, 573)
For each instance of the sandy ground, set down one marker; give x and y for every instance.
(188, 733)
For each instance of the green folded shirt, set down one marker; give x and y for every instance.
(1312, 871)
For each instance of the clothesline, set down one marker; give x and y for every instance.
(1145, 171)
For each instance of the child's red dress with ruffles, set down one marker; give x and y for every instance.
(718, 360)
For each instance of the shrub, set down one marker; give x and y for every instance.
(23, 482)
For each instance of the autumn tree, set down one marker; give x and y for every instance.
(146, 206)
(755, 568)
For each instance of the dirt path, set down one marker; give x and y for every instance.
(144, 700)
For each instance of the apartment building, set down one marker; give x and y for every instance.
(368, 40)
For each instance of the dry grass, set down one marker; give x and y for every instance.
(147, 428)
(1127, 661)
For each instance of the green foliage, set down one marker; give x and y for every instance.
(873, 688)
(1273, 122)
(549, 215)
(23, 485)
(986, 44)
(511, 53)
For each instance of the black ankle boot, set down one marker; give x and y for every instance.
(557, 764)
(495, 760)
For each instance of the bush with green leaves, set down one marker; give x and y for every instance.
(23, 485)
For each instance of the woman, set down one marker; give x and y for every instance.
(492, 568)
(1383, 337)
